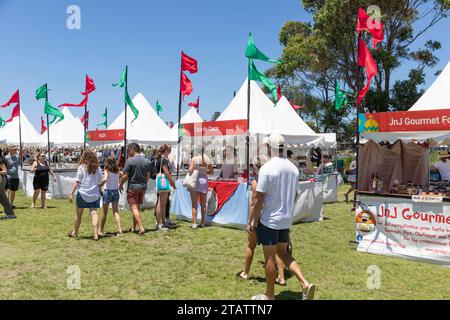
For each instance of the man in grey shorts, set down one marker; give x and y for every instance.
(12, 166)
(273, 211)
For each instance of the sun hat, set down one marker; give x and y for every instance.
(276, 141)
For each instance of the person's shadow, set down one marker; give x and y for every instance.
(289, 295)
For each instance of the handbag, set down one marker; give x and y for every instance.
(162, 183)
(190, 181)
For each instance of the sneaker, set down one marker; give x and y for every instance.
(194, 226)
(170, 223)
(14, 207)
(308, 294)
(161, 227)
(9, 217)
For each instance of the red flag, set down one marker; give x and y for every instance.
(196, 104)
(185, 85)
(365, 59)
(81, 104)
(171, 124)
(90, 86)
(295, 107)
(84, 118)
(279, 92)
(15, 113)
(43, 127)
(365, 22)
(188, 64)
(14, 99)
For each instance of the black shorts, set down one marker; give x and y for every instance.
(12, 184)
(40, 183)
(271, 237)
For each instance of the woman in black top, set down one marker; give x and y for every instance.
(41, 170)
(4, 201)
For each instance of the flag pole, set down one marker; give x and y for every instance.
(179, 119)
(248, 123)
(358, 88)
(20, 134)
(48, 127)
(84, 125)
(125, 98)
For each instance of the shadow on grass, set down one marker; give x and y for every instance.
(289, 295)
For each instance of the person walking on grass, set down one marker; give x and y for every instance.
(258, 162)
(87, 185)
(273, 213)
(203, 165)
(4, 201)
(136, 172)
(42, 170)
(111, 195)
(12, 166)
(162, 165)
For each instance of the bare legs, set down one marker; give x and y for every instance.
(12, 197)
(249, 253)
(78, 216)
(35, 196)
(194, 201)
(137, 220)
(352, 188)
(161, 208)
(270, 253)
(117, 219)
(43, 198)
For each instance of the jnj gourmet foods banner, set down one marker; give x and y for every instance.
(432, 120)
(106, 135)
(400, 227)
(216, 128)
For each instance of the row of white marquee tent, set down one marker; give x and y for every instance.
(265, 118)
(150, 129)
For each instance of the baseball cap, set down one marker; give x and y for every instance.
(276, 141)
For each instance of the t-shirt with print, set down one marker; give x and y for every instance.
(165, 162)
(12, 165)
(138, 170)
(89, 184)
(278, 180)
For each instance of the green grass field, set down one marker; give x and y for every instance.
(193, 264)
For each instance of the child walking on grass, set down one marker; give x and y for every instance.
(111, 178)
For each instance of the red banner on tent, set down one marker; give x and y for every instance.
(432, 120)
(216, 128)
(106, 135)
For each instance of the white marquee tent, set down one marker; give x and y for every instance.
(10, 133)
(191, 116)
(261, 109)
(68, 132)
(148, 128)
(438, 94)
(437, 97)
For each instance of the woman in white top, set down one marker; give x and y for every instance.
(111, 195)
(88, 184)
(202, 164)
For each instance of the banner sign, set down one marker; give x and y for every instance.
(215, 128)
(399, 227)
(106, 135)
(407, 121)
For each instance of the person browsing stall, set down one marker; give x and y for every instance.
(443, 165)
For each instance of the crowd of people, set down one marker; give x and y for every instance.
(273, 191)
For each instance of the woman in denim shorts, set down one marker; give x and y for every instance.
(111, 195)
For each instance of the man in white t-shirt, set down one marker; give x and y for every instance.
(274, 213)
(443, 165)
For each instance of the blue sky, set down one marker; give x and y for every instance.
(148, 36)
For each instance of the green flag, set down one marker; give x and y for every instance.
(123, 79)
(340, 98)
(252, 52)
(159, 107)
(105, 116)
(52, 111)
(254, 74)
(2, 122)
(132, 107)
(41, 93)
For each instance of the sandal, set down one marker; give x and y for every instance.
(308, 294)
(71, 234)
(141, 233)
(283, 284)
(119, 234)
(239, 275)
(262, 297)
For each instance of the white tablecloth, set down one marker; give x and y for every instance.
(59, 190)
(309, 204)
(330, 186)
